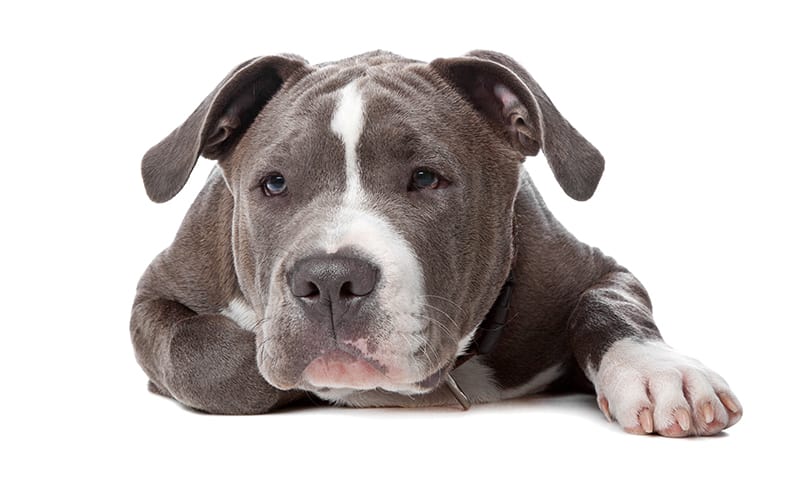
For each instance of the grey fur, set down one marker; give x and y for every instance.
(570, 303)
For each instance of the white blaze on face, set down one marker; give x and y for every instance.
(358, 225)
(347, 123)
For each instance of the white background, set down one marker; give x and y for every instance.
(694, 106)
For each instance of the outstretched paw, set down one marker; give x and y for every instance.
(649, 388)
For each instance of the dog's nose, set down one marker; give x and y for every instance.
(332, 287)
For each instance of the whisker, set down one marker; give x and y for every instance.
(452, 321)
(445, 330)
(457, 306)
(411, 349)
(428, 350)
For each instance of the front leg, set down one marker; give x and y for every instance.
(203, 361)
(640, 381)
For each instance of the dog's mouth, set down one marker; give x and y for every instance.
(346, 369)
(338, 369)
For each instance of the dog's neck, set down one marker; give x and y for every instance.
(487, 334)
(491, 328)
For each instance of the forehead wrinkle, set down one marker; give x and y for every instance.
(394, 104)
(408, 85)
(396, 138)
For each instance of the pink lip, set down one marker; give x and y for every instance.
(339, 369)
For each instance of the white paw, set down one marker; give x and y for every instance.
(647, 387)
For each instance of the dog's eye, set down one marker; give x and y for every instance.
(274, 184)
(425, 179)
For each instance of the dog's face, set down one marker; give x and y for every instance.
(365, 227)
(373, 210)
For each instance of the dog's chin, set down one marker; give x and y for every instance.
(341, 370)
(338, 374)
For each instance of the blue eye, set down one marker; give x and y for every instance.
(274, 184)
(425, 179)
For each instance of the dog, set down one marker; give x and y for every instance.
(370, 237)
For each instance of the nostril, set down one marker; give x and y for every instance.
(347, 290)
(306, 289)
(311, 290)
(364, 278)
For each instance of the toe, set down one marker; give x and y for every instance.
(732, 406)
(646, 420)
(681, 425)
(643, 423)
(709, 414)
(602, 401)
(710, 417)
(671, 411)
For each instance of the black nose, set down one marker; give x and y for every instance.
(332, 287)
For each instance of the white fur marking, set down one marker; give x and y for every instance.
(357, 224)
(348, 122)
(336, 396)
(464, 343)
(240, 312)
(476, 379)
(537, 384)
(634, 375)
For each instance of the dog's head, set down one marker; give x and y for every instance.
(373, 218)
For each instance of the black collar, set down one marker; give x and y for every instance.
(486, 336)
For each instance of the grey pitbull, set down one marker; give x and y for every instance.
(370, 236)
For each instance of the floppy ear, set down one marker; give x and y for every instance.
(217, 124)
(517, 108)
